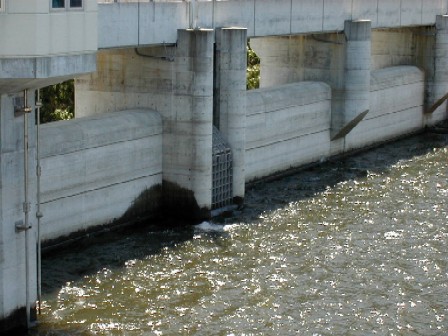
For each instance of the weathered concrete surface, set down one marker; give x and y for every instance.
(18, 74)
(286, 127)
(230, 98)
(313, 57)
(12, 190)
(396, 107)
(340, 60)
(289, 126)
(440, 88)
(131, 24)
(94, 169)
(356, 80)
(177, 82)
(417, 46)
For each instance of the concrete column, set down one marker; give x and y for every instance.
(356, 79)
(437, 109)
(230, 98)
(188, 128)
(13, 251)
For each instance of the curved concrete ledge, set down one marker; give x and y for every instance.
(95, 169)
(286, 126)
(62, 137)
(395, 76)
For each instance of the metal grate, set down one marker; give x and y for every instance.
(222, 193)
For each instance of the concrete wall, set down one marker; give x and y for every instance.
(13, 245)
(321, 57)
(130, 24)
(99, 170)
(287, 126)
(313, 57)
(324, 57)
(177, 82)
(230, 99)
(396, 107)
(391, 47)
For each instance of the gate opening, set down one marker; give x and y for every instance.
(222, 172)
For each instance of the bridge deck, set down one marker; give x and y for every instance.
(131, 23)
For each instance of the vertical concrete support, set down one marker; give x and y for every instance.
(356, 79)
(15, 289)
(188, 128)
(439, 92)
(230, 99)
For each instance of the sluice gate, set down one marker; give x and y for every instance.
(222, 172)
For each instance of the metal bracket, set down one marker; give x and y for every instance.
(26, 207)
(20, 226)
(19, 111)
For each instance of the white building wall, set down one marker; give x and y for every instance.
(34, 29)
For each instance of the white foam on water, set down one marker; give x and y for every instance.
(209, 227)
(212, 227)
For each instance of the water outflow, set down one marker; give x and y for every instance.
(350, 247)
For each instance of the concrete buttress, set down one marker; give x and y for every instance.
(17, 247)
(356, 90)
(439, 92)
(188, 129)
(230, 99)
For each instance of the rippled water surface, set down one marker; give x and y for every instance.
(353, 247)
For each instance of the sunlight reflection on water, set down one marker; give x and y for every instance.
(353, 247)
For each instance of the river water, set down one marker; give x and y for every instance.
(352, 247)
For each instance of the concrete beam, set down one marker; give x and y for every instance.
(17, 74)
(154, 22)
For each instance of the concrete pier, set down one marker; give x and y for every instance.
(188, 129)
(177, 82)
(356, 87)
(230, 99)
(17, 247)
(438, 104)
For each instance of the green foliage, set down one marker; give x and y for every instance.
(253, 69)
(58, 102)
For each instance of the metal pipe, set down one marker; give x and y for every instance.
(39, 214)
(213, 14)
(193, 14)
(26, 206)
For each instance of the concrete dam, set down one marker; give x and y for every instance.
(164, 123)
